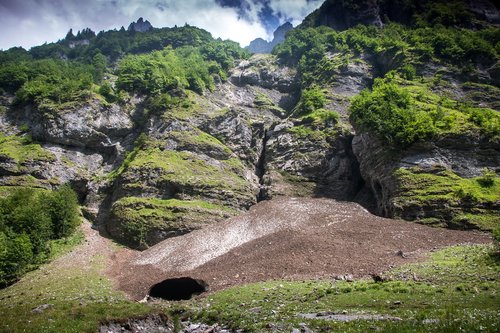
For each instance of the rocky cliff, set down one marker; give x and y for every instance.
(342, 15)
(275, 126)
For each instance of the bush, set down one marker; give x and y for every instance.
(390, 112)
(311, 99)
(487, 178)
(29, 220)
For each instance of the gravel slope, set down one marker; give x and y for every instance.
(286, 238)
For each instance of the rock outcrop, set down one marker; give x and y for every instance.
(426, 182)
(259, 45)
(140, 26)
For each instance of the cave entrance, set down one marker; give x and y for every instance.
(178, 289)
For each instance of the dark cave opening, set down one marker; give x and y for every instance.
(178, 288)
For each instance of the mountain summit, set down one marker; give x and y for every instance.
(140, 25)
(259, 45)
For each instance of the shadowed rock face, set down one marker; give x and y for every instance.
(342, 15)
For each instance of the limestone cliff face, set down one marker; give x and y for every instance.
(216, 157)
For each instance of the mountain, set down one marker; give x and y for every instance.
(140, 26)
(327, 161)
(259, 45)
(157, 148)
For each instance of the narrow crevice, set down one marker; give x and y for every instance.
(260, 168)
(363, 193)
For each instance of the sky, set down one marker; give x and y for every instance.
(29, 23)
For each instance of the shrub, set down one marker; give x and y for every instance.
(311, 99)
(29, 219)
(390, 112)
(487, 178)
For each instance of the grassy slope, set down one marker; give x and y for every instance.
(455, 290)
(79, 297)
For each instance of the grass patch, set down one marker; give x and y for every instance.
(22, 150)
(312, 133)
(188, 170)
(447, 198)
(456, 289)
(79, 297)
(446, 185)
(263, 102)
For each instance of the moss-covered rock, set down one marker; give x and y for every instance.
(179, 180)
(444, 198)
(18, 152)
(142, 222)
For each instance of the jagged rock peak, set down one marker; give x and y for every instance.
(259, 45)
(280, 32)
(140, 25)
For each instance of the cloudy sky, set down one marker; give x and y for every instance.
(28, 23)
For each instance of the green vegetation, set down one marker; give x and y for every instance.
(29, 220)
(460, 201)
(21, 150)
(49, 83)
(189, 171)
(311, 100)
(77, 297)
(403, 112)
(184, 57)
(143, 218)
(263, 102)
(162, 71)
(456, 289)
(320, 52)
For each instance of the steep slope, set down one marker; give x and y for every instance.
(342, 15)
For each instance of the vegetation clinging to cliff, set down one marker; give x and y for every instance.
(308, 48)
(401, 113)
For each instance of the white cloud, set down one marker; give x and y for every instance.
(221, 22)
(32, 22)
(295, 10)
